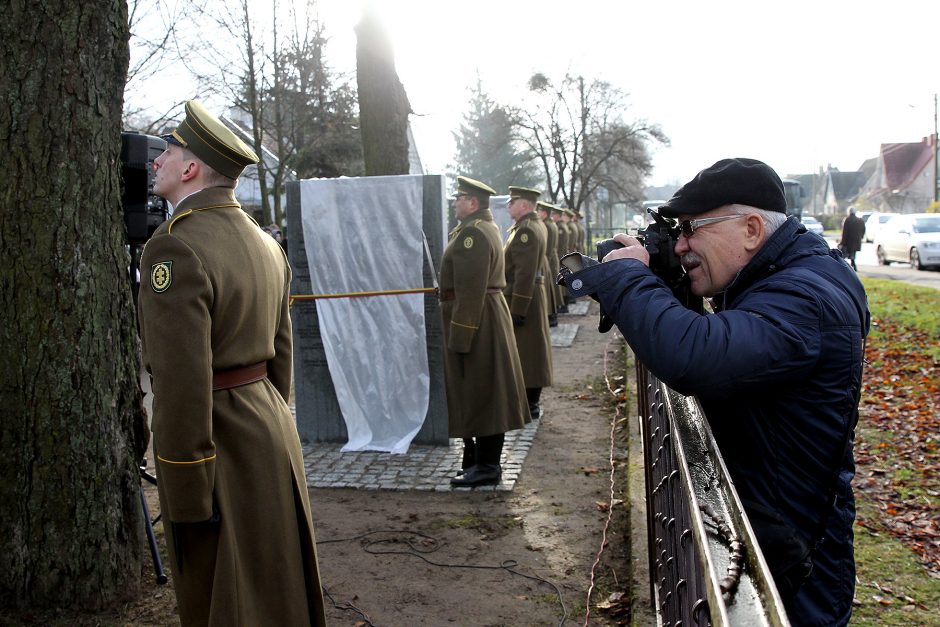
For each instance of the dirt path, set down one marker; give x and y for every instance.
(489, 558)
(549, 527)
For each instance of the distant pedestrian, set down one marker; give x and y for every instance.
(853, 230)
(485, 389)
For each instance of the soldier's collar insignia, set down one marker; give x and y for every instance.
(161, 276)
(468, 242)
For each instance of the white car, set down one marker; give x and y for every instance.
(911, 238)
(874, 223)
(812, 225)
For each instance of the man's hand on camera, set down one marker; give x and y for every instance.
(632, 249)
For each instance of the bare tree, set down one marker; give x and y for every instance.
(312, 117)
(155, 30)
(383, 104)
(583, 140)
(71, 420)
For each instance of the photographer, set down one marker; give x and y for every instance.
(777, 367)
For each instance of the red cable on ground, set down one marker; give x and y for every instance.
(610, 503)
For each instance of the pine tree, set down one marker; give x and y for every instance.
(487, 149)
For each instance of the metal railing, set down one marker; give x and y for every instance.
(705, 565)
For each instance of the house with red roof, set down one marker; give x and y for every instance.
(904, 178)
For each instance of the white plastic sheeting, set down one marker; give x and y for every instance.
(364, 235)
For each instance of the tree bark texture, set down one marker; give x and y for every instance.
(71, 419)
(383, 104)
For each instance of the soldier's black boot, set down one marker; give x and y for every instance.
(469, 455)
(553, 319)
(533, 395)
(487, 470)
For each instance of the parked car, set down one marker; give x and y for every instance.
(812, 225)
(912, 238)
(875, 223)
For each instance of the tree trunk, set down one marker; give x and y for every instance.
(71, 418)
(383, 104)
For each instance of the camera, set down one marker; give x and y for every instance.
(143, 212)
(659, 239)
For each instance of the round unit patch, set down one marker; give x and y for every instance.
(524, 238)
(161, 275)
(468, 242)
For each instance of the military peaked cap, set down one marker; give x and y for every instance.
(738, 181)
(215, 144)
(544, 206)
(524, 192)
(467, 185)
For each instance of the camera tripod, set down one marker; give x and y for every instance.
(151, 538)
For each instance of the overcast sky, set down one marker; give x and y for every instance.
(798, 84)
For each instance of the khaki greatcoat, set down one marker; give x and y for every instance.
(579, 243)
(552, 292)
(525, 291)
(564, 239)
(485, 389)
(214, 296)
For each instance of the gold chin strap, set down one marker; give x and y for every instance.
(177, 137)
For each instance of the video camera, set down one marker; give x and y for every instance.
(143, 212)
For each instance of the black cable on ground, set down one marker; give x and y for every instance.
(433, 544)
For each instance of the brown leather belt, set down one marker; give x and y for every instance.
(451, 295)
(237, 377)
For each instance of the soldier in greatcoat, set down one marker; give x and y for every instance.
(525, 292)
(558, 217)
(216, 337)
(551, 260)
(485, 389)
(580, 244)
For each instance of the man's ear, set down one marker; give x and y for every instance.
(191, 171)
(754, 236)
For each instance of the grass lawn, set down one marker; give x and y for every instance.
(897, 533)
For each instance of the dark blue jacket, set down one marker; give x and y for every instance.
(777, 370)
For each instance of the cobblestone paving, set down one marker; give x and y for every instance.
(424, 467)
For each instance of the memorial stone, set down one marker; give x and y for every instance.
(319, 418)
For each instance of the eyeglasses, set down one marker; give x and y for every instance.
(688, 226)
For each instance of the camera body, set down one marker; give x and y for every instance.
(660, 239)
(143, 212)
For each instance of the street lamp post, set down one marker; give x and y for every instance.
(936, 179)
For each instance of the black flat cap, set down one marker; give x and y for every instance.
(737, 181)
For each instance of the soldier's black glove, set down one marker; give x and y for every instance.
(517, 320)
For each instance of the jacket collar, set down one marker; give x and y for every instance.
(787, 242)
(208, 198)
(529, 216)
